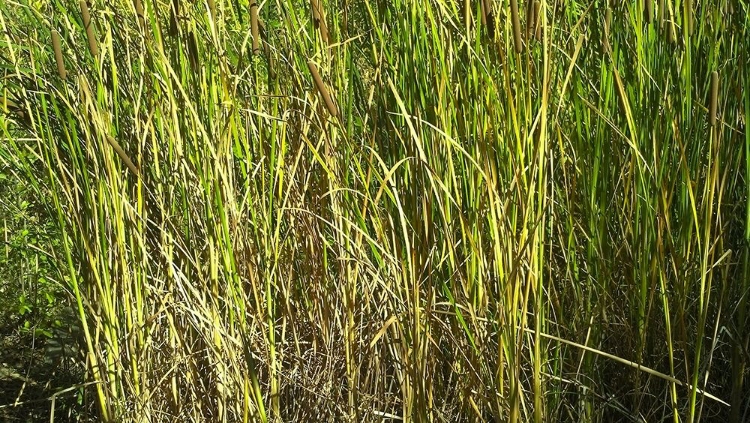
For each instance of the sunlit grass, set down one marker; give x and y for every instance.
(434, 211)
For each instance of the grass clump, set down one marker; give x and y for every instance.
(471, 231)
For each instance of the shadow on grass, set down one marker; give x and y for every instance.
(39, 376)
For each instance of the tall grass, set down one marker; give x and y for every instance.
(400, 209)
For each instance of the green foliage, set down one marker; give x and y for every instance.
(432, 210)
(28, 233)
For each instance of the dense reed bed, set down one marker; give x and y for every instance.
(409, 210)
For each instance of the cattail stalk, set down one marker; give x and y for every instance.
(57, 46)
(318, 20)
(538, 20)
(488, 18)
(322, 89)
(662, 13)
(123, 156)
(254, 26)
(140, 14)
(714, 98)
(516, 25)
(530, 19)
(648, 10)
(93, 47)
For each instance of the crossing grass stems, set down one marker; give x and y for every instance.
(404, 215)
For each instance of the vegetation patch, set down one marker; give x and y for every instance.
(359, 211)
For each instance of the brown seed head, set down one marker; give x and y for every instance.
(322, 89)
(89, 26)
(123, 156)
(57, 46)
(254, 26)
(516, 26)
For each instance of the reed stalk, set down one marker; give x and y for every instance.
(458, 234)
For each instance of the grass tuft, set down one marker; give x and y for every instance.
(406, 224)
